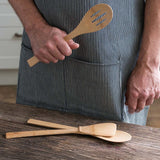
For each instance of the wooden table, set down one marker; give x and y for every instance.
(145, 143)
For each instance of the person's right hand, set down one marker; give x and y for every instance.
(48, 44)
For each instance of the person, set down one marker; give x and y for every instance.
(111, 74)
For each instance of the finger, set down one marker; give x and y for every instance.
(157, 96)
(45, 61)
(55, 52)
(140, 104)
(63, 33)
(132, 103)
(42, 59)
(48, 56)
(72, 44)
(52, 59)
(150, 100)
(131, 100)
(63, 47)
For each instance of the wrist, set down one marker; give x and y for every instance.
(31, 28)
(149, 62)
(149, 57)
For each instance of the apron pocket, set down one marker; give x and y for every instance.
(40, 68)
(93, 89)
(42, 84)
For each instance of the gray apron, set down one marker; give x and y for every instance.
(93, 79)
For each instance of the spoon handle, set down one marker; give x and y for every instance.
(76, 32)
(32, 61)
(10, 135)
(48, 124)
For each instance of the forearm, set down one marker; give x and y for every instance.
(28, 14)
(150, 46)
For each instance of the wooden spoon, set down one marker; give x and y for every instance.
(102, 129)
(119, 137)
(98, 17)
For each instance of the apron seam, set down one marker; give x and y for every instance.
(65, 94)
(121, 88)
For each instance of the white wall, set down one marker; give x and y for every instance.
(10, 26)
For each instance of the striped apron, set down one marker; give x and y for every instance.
(92, 81)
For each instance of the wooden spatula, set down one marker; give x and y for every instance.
(98, 17)
(102, 129)
(119, 137)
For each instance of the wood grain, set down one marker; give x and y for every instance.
(145, 143)
(8, 95)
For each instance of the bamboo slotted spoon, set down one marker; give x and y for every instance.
(98, 17)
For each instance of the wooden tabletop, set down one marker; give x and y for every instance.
(145, 143)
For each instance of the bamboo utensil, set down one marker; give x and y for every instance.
(98, 17)
(10, 135)
(102, 129)
(119, 137)
(48, 124)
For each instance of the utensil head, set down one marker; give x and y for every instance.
(101, 129)
(119, 137)
(98, 17)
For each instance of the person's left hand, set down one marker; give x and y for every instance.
(142, 88)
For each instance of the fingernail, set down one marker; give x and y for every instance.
(63, 57)
(71, 41)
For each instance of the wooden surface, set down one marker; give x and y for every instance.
(8, 95)
(145, 143)
(154, 115)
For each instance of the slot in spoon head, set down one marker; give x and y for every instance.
(98, 17)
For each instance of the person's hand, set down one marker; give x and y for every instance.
(48, 44)
(142, 88)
